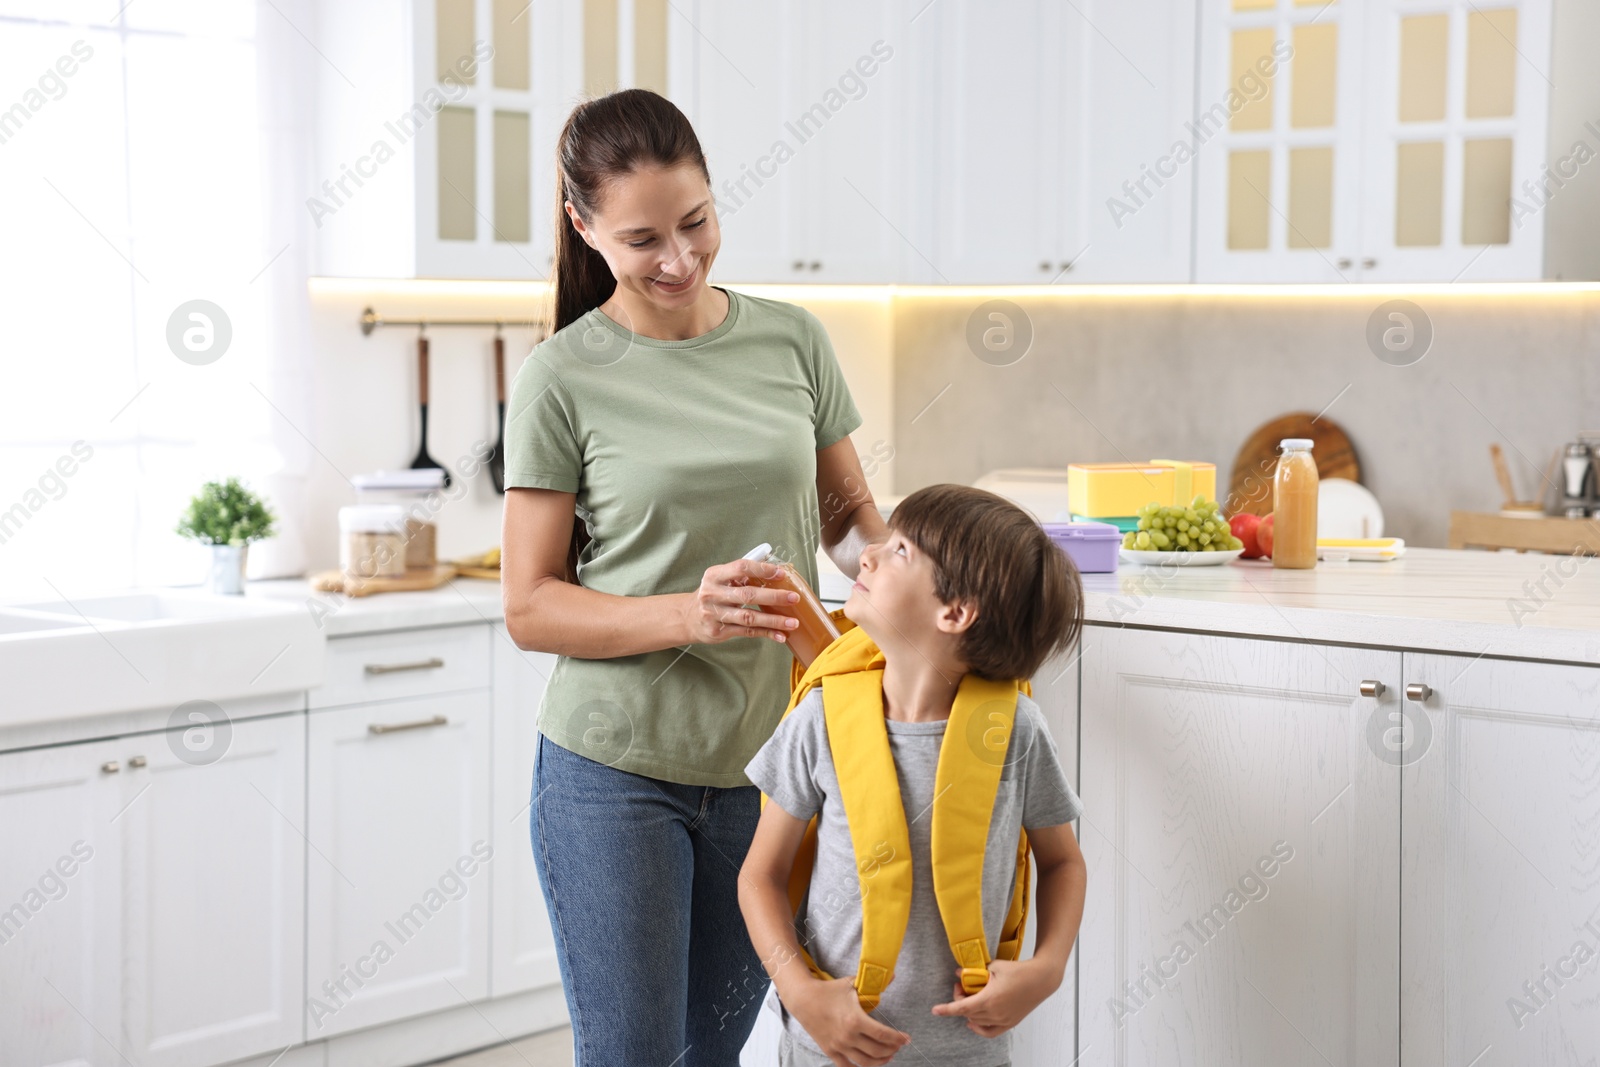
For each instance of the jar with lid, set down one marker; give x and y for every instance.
(372, 541)
(411, 490)
(1294, 506)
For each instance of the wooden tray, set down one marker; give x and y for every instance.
(1250, 481)
(491, 573)
(414, 581)
(1485, 529)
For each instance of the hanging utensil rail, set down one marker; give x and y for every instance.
(371, 320)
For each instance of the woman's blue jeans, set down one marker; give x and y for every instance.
(640, 878)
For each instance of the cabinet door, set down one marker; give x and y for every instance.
(213, 893)
(850, 140)
(60, 926)
(1243, 847)
(1498, 915)
(523, 950)
(1457, 113)
(1051, 1029)
(988, 119)
(742, 104)
(1277, 139)
(399, 837)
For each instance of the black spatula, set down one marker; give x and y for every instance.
(497, 455)
(424, 460)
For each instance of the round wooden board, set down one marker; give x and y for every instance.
(1250, 481)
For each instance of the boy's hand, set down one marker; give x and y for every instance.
(1015, 988)
(831, 1013)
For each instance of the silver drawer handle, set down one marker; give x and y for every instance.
(391, 668)
(1373, 689)
(420, 724)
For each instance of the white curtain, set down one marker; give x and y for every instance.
(149, 153)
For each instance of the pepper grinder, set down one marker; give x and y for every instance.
(1577, 472)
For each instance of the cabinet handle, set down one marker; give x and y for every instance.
(799, 264)
(1066, 265)
(420, 724)
(1417, 692)
(1369, 263)
(110, 766)
(1044, 266)
(391, 668)
(1345, 263)
(816, 264)
(1373, 689)
(137, 761)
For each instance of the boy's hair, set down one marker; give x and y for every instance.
(988, 550)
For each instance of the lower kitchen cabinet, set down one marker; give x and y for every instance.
(524, 951)
(1243, 845)
(158, 899)
(1501, 841)
(400, 860)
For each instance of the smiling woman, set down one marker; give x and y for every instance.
(664, 428)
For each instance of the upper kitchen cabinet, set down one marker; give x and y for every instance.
(1047, 138)
(799, 111)
(1393, 140)
(439, 121)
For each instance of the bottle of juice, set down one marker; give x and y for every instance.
(816, 630)
(1294, 506)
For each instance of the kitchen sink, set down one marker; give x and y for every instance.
(150, 607)
(144, 649)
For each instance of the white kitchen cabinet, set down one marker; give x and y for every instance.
(400, 865)
(1500, 808)
(213, 895)
(437, 128)
(1393, 141)
(524, 949)
(1243, 845)
(60, 891)
(178, 933)
(799, 109)
(1042, 129)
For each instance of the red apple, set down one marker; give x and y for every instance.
(1265, 536)
(1244, 526)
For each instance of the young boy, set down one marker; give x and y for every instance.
(966, 583)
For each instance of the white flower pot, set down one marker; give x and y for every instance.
(227, 569)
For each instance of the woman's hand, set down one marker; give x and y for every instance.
(715, 612)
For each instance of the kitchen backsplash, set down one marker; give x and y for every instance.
(1189, 373)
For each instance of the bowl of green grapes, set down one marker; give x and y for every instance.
(1195, 534)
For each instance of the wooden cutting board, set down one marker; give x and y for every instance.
(1250, 481)
(414, 581)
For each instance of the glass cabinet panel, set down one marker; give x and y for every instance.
(1314, 83)
(1249, 48)
(511, 43)
(512, 180)
(1491, 63)
(458, 174)
(453, 32)
(1249, 185)
(1310, 197)
(599, 46)
(1419, 194)
(650, 45)
(1486, 192)
(1424, 67)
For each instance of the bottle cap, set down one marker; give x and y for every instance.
(1296, 442)
(759, 553)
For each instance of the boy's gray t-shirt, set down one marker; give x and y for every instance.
(795, 769)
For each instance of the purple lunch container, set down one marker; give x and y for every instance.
(1093, 546)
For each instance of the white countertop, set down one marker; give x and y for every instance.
(1437, 600)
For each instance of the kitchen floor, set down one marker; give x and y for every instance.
(553, 1048)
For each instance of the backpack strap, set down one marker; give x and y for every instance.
(869, 790)
(971, 759)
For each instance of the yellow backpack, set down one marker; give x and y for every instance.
(971, 756)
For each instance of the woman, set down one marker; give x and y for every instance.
(683, 424)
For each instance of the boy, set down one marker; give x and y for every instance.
(966, 583)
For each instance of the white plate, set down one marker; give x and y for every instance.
(1347, 510)
(1181, 559)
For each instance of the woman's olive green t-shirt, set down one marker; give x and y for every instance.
(683, 455)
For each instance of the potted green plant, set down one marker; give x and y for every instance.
(227, 516)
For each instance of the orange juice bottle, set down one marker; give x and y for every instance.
(1294, 506)
(816, 630)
